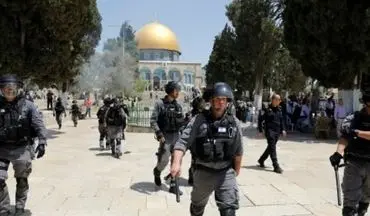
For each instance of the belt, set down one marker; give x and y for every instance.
(209, 169)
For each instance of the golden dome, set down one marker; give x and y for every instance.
(156, 36)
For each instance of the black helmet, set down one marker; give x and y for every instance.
(170, 86)
(74, 101)
(197, 103)
(10, 79)
(107, 101)
(222, 89)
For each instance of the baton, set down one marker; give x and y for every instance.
(339, 192)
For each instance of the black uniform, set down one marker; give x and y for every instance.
(356, 179)
(273, 121)
(59, 110)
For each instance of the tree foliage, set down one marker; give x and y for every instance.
(330, 39)
(286, 74)
(223, 65)
(258, 37)
(47, 40)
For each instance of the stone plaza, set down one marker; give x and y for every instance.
(75, 178)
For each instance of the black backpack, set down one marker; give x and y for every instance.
(115, 118)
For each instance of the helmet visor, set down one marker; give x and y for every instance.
(9, 90)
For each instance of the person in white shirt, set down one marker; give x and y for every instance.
(339, 115)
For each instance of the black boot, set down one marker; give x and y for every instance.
(278, 169)
(348, 211)
(261, 163)
(362, 209)
(157, 177)
(227, 212)
(19, 211)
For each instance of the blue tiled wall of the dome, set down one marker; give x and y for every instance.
(159, 55)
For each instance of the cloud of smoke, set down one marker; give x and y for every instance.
(111, 72)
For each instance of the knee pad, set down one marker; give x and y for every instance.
(22, 182)
(348, 211)
(2, 184)
(227, 212)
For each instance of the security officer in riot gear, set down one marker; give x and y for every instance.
(166, 120)
(197, 107)
(354, 147)
(274, 125)
(19, 122)
(102, 129)
(215, 140)
(115, 121)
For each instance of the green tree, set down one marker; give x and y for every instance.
(258, 38)
(329, 38)
(48, 40)
(286, 74)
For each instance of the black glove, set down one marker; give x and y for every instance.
(158, 135)
(335, 159)
(40, 150)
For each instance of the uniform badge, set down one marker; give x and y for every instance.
(222, 130)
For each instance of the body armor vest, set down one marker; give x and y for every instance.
(358, 147)
(218, 142)
(171, 119)
(15, 126)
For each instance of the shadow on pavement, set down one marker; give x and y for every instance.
(147, 187)
(27, 212)
(256, 167)
(295, 136)
(53, 133)
(108, 153)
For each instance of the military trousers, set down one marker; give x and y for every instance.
(165, 150)
(21, 160)
(114, 137)
(223, 183)
(75, 119)
(356, 183)
(272, 139)
(59, 118)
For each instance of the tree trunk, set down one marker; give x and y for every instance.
(258, 92)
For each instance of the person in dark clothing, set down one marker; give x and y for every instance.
(75, 111)
(274, 126)
(49, 100)
(58, 111)
(102, 129)
(354, 147)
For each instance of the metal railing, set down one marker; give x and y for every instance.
(140, 115)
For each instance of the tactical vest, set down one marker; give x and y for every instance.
(101, 113)
(217, 142)
(171, 119)
(115, 117)
(15, 126)
(359, 148)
